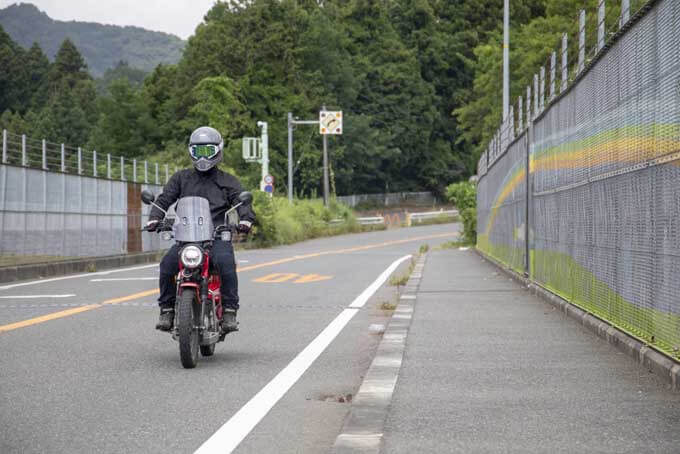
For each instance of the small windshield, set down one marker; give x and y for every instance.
(193, 222)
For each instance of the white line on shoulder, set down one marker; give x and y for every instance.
(232, 433)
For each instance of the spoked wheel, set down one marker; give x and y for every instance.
(189, 340)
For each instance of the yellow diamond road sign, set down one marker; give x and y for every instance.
(330, 122)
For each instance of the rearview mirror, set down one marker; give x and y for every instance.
(148, 197)
(245, 197)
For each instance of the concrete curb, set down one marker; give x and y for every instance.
(653, 360)
(363, 427)
(64, 267)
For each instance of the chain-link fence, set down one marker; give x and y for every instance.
(604, 206)
(59, 202)
(389, 199)
(24, 151)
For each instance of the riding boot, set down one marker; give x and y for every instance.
(229, 322)
(166, 319)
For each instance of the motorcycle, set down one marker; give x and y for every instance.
(198, 305)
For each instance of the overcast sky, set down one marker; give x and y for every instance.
(179, 17)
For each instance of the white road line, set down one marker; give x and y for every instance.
(75, 276)
(361, 299)
(232, 433)
(125, 279)
(26, 297)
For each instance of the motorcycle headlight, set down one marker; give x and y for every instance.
(191, 256)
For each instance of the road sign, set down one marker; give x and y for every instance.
(269, 180)
(252, 149)
(330, 122)
(269, 188)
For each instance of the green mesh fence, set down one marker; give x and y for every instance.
(604, 205)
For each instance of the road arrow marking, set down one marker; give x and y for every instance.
(311, 278)
(277, 277)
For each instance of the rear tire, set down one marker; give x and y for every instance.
(188, 336)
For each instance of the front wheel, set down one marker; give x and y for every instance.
(188, 334)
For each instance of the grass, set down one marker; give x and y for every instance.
(456, 244)
(399, 280)
(387, 306)
(14, 260)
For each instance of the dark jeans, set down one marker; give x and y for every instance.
(221, 258)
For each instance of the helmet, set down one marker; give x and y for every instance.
(205, 148)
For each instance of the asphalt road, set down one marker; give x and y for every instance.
(87, 372)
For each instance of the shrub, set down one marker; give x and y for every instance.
(463, 195)
(280, 222)
(469, 216)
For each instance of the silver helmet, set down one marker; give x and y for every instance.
(205, 148)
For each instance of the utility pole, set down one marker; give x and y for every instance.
(290, 157)
(506, 59)
(265, 152)
(326, 189)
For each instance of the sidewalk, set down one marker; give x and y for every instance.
(489, 368)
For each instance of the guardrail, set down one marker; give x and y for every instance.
(371, 220)
(419, 217)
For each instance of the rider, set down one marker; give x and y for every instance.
(222, 191)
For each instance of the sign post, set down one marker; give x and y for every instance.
(257, 150)
(330, 123)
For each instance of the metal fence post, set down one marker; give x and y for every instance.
(581, 41)
(528, 104)
(44, 154)
(24, 157)
(134, 170)
(122, 168)
(4, 146)
(108, 165)
(94, 163)
(80, 161)
(511, 123)
(600, 25)
(541, 96)
(625, 12)
(146, 172)
(565, 65)
(156, 168)
(553, 63)
(63, 158)
(519, 114)
(167, 173)
(536, 110)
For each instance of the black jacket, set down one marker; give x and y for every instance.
(220, 188)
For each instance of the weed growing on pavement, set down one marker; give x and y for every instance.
(387, 306)
(423, 249)
(457, 244)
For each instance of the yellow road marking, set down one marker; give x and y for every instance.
(77, 310)
(48, 317)
(312, 278)
(134, 296)
(277, 277)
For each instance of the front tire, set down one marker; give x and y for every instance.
(208, 350)
(187, 320)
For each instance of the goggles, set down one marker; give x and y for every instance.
(204, 151)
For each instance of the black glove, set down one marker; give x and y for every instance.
(244, 227)
(151, 226)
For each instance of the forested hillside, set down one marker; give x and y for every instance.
(102, 46)
(418, 80)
